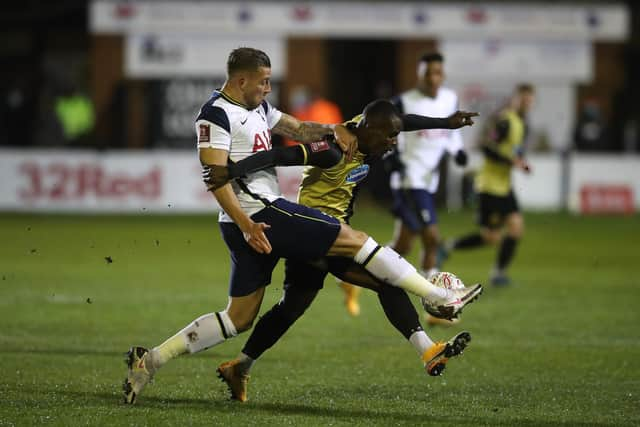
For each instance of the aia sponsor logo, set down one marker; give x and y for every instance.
(262, 141)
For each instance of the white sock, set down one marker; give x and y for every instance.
(418, 285)
(171, 348)
(203, 333)
(420, 341)
(388, 266)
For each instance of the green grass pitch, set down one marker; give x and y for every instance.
(560, 347)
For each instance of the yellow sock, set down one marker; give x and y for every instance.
(351, 293)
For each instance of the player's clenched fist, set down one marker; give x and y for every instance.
(346, 140)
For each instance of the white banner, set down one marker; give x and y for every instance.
(551, 120)
(543, 188)
(363, 19)
(170, 181)
(604, 172)
(73, 181)
(193, 55)
(504, 59)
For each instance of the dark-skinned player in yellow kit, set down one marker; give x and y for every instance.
(330, 184)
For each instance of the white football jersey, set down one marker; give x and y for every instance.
(227, 125)
(421, 151)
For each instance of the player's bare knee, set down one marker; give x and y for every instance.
(515, 227)
(349, 242)
(242, 323)
(491, 237)
(358, 240)
(515, 233)
(242, 315)
(358, 237)
(244, 326)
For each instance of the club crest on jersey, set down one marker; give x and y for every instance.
(319, 146)
(358, 174)
(204, 133)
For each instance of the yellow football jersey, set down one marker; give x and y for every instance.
(495, 177)
(333, 190)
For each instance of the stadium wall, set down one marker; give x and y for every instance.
(110, 182)
(168, 182)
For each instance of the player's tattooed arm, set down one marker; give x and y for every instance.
(297, 130)
(300, 131)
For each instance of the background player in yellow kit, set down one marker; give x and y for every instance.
(503, 149)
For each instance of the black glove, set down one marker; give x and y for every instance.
(461, 158)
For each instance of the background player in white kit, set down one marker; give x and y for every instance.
(415, 165)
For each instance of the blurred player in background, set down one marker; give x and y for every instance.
(259, 226)
(415, 168)
(330, 184)
(308, 106)
(503, 146)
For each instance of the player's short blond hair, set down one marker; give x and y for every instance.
(246, 59)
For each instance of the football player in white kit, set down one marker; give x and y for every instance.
(415, 182)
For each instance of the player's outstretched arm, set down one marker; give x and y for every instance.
(292, 128)
(322, 154)
(411, 122)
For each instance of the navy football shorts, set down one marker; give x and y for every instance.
(297, 232)
(415, 208)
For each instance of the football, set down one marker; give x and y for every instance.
(442, 279)
(446, 280)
